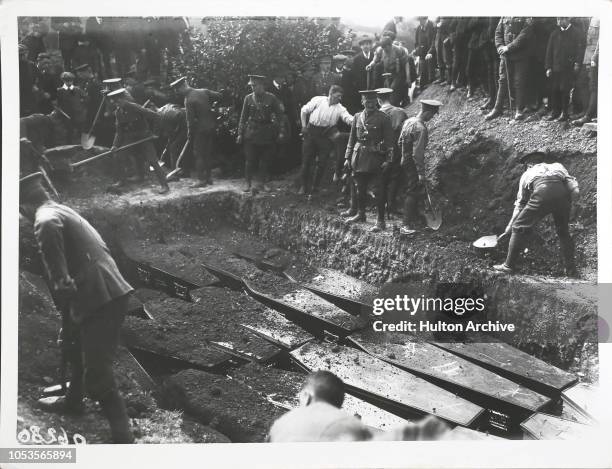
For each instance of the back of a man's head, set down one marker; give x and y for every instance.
(324, 386)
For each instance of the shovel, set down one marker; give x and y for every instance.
(176, 171)
(88, 140)
(486, 242)
(433, 217)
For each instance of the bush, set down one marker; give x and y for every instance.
(230, 49)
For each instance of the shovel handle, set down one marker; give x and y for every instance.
(110, 152)
(97, 115)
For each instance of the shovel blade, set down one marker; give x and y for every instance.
(87, 141)
(486, 242)
(174, 175)
(433, 219)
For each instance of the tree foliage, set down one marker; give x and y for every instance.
(222, 56)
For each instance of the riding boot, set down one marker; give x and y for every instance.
(114, 410)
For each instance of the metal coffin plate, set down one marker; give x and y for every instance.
(274, 327)
(586, 399)
(513, 363)
(426, 359)
(386, 382)
(547, 427)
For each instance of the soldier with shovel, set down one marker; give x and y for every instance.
(413, 141)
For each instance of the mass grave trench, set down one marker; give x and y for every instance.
(557, 318)
(217, 216)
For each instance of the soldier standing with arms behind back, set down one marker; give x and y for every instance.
(84, 277)
(368, 154)
(259, 130)
(201, 125)
(413, 141)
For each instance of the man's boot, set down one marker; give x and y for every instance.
(496, 112)
(583, 120)
(114, 410)
(380, 226)
(514, 249)
(360, 217)
(161, 178)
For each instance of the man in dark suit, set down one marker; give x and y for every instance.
(84, 278)
(360, 61)
(562, 63)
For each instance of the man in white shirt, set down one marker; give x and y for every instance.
(545, 188)
(319, 119)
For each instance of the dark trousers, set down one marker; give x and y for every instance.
(92, 368)
(491, 69)
(538, 86)
(144, 154)
(414, 191)
(362, 181)
(460, 52)
(441, 59)
(202, 153)
(560, 85)
(512, 84)
(592, 106)
(391, 179)
(473, 67)
(425, 70)
(548, 197)
(316, 150)
(257, 158)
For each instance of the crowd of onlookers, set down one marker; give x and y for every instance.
(536, 67)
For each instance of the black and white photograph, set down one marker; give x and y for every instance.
(290, 229)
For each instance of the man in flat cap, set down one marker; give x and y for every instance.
(27, 82)
(92, 294)
(413, 142)
(544, 188)
(320, 117)
(360, 61)
(394, 60)
(368, 154)
(424, 49)
(201, 124)
(391, 176)
(132, 124)
(259, 129)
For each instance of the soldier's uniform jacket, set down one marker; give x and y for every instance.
(370, 142)
(70, 246)
(260, 119)
(517, 34)
(131, 123)
(198, 105)
(413, 141)
(397, 116)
